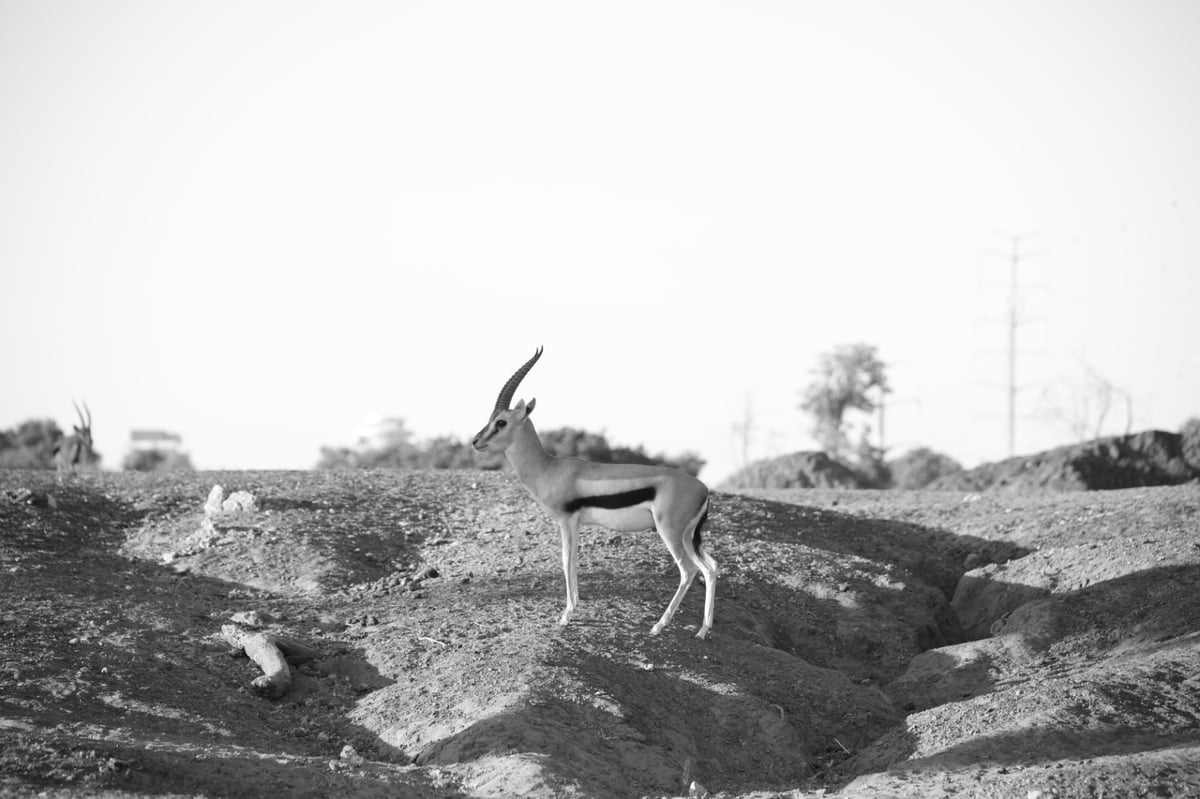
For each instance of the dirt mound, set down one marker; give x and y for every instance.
(1087, 658)
(1149, 458)
(838, 664)
(797, 470)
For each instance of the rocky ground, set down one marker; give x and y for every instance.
(878, 644)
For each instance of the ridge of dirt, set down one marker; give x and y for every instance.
(806, 469)
(838, 664)
(1146, 458)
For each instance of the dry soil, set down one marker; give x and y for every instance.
(876, 644)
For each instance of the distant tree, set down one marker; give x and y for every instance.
(396, 456)
(388, 447)
(156, 460)
(334, 458)
(30, 445)
(393, 448)
(448, 452)
(852, 377)
(573, 442)
(869, 463)
(920, 467)
(1190, 433)
(1089, 406)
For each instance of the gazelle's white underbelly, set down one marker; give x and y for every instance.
(625, 520)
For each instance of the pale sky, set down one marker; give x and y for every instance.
(258, 223)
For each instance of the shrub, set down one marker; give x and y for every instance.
(156, 460)
(795, 470)
(920, 467)
(1190, 433)
(448, 452)
(30, 445)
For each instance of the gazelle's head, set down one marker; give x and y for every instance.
(498, 433)
(84, 428)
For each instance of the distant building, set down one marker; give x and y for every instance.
(160, 440)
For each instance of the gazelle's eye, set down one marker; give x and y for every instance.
(500, 424)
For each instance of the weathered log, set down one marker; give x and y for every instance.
(272, 654)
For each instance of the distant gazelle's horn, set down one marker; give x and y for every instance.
(506, 394)
(87, 423)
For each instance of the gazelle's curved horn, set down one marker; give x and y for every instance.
(506, 394)
(87, 423)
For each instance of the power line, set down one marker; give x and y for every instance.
(1015, 255)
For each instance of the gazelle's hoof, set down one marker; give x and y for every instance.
(563, 619)
(656, 629)
(703, 632)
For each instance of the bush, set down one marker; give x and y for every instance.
(796, 470)
(30, 445)
(573, 442)
(448, 452)
(1190, 433)
(920, 467)
(156, 460)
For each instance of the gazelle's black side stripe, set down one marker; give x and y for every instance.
(612, 501)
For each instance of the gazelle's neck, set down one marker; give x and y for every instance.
(527, 455)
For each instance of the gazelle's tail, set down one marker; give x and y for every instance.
(697, 541)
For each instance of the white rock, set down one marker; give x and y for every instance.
(250, 618)
(239, 501)
(215, 497)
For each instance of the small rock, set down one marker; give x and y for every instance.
(215, 497)
(697, 791)
(242, 501)
(350, 755)
(426, 573)
(250, 618)
(19, 496)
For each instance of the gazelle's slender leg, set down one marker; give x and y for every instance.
(709, 575)
(687, 571)
(570, 560)
(708, 567)
(710, 598)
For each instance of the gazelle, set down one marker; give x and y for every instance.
(623, 497)
(73, 450)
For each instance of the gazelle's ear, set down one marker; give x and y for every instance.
(519, 408)
(529, 407)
